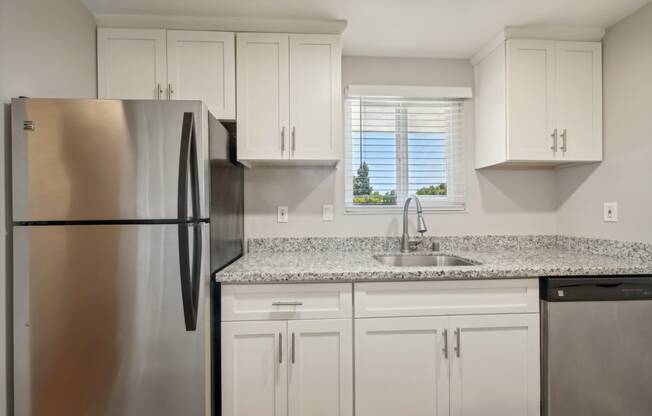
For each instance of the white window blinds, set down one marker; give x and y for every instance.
(396, 147)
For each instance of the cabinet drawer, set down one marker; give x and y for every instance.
(286, 301)
(446, 298)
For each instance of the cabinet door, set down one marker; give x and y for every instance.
(263, 96)
(401, 367)
(131, 63)
(579, 100)
(321, 368)
(201, 66)
(530, 100)
(315, 96)
(495, 365)
(254, 368)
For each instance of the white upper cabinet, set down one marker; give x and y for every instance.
(315, 96)
(289, 98)
(579, 100)
(531, 99)
(201, 67)
(538, 102)
(168, 65)
(131, 63)
(263, 96)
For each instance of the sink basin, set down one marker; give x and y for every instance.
(422, 260)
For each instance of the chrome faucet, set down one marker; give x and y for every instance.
(408, 245)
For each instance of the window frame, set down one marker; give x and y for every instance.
(430, 203)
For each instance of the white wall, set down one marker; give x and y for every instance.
(499, 201)
(47, 49)
(625, 174)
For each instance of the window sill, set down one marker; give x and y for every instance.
(393, 210)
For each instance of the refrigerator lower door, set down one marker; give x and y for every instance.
(99, 321)
(92, 160)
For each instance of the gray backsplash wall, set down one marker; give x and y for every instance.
(515, 201)
(625, 175)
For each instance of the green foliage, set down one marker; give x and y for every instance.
(361, 184)
(433, 190)
(376, 198)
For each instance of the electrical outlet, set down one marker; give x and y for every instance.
(283, 214)
(610, 212)
(327, 212)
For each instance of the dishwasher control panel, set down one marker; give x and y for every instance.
(591, 289)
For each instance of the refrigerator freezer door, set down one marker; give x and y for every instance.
(99, 322)
(93, 160)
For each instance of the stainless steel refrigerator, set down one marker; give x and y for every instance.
(111, 261)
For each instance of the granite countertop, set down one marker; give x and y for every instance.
(359, 266)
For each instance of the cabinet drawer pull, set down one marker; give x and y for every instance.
(554, 141)
(293, 348)
(289, 303)
(445, 334)
(564, 136)
(457, 342)
(282, 139)
(280, 348)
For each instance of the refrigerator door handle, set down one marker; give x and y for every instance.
(190, 273)
(188, 167)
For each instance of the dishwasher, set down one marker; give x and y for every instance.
(597, 346)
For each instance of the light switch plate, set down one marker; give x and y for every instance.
(327, 212)
(610, 212)
(283, 214)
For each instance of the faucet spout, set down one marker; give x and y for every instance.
(406, 247)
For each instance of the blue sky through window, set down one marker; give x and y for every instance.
(427, 159)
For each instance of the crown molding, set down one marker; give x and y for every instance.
(226, 24)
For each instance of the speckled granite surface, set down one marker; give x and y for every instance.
(350, 259)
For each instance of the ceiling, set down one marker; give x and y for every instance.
(399, 28)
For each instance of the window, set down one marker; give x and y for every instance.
(396, 147)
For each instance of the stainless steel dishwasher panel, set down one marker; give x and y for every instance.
(597, 358)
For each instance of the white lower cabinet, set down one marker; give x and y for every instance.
(448, 348)
(320, 368)
(495, 365)
(460, 365)
(295, 368)
(401, 367)
(254, 368)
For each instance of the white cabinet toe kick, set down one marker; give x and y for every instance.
(433, 347)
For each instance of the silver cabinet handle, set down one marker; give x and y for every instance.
(280, 348)
(159, 91)
(294, 139)
(289, 303)
(445, 334)
(293, 348)
(564, 136)
(554, 141)
(170, 91)
(457, 340)
(282, 139)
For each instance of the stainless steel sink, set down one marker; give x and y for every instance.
(423, 260)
